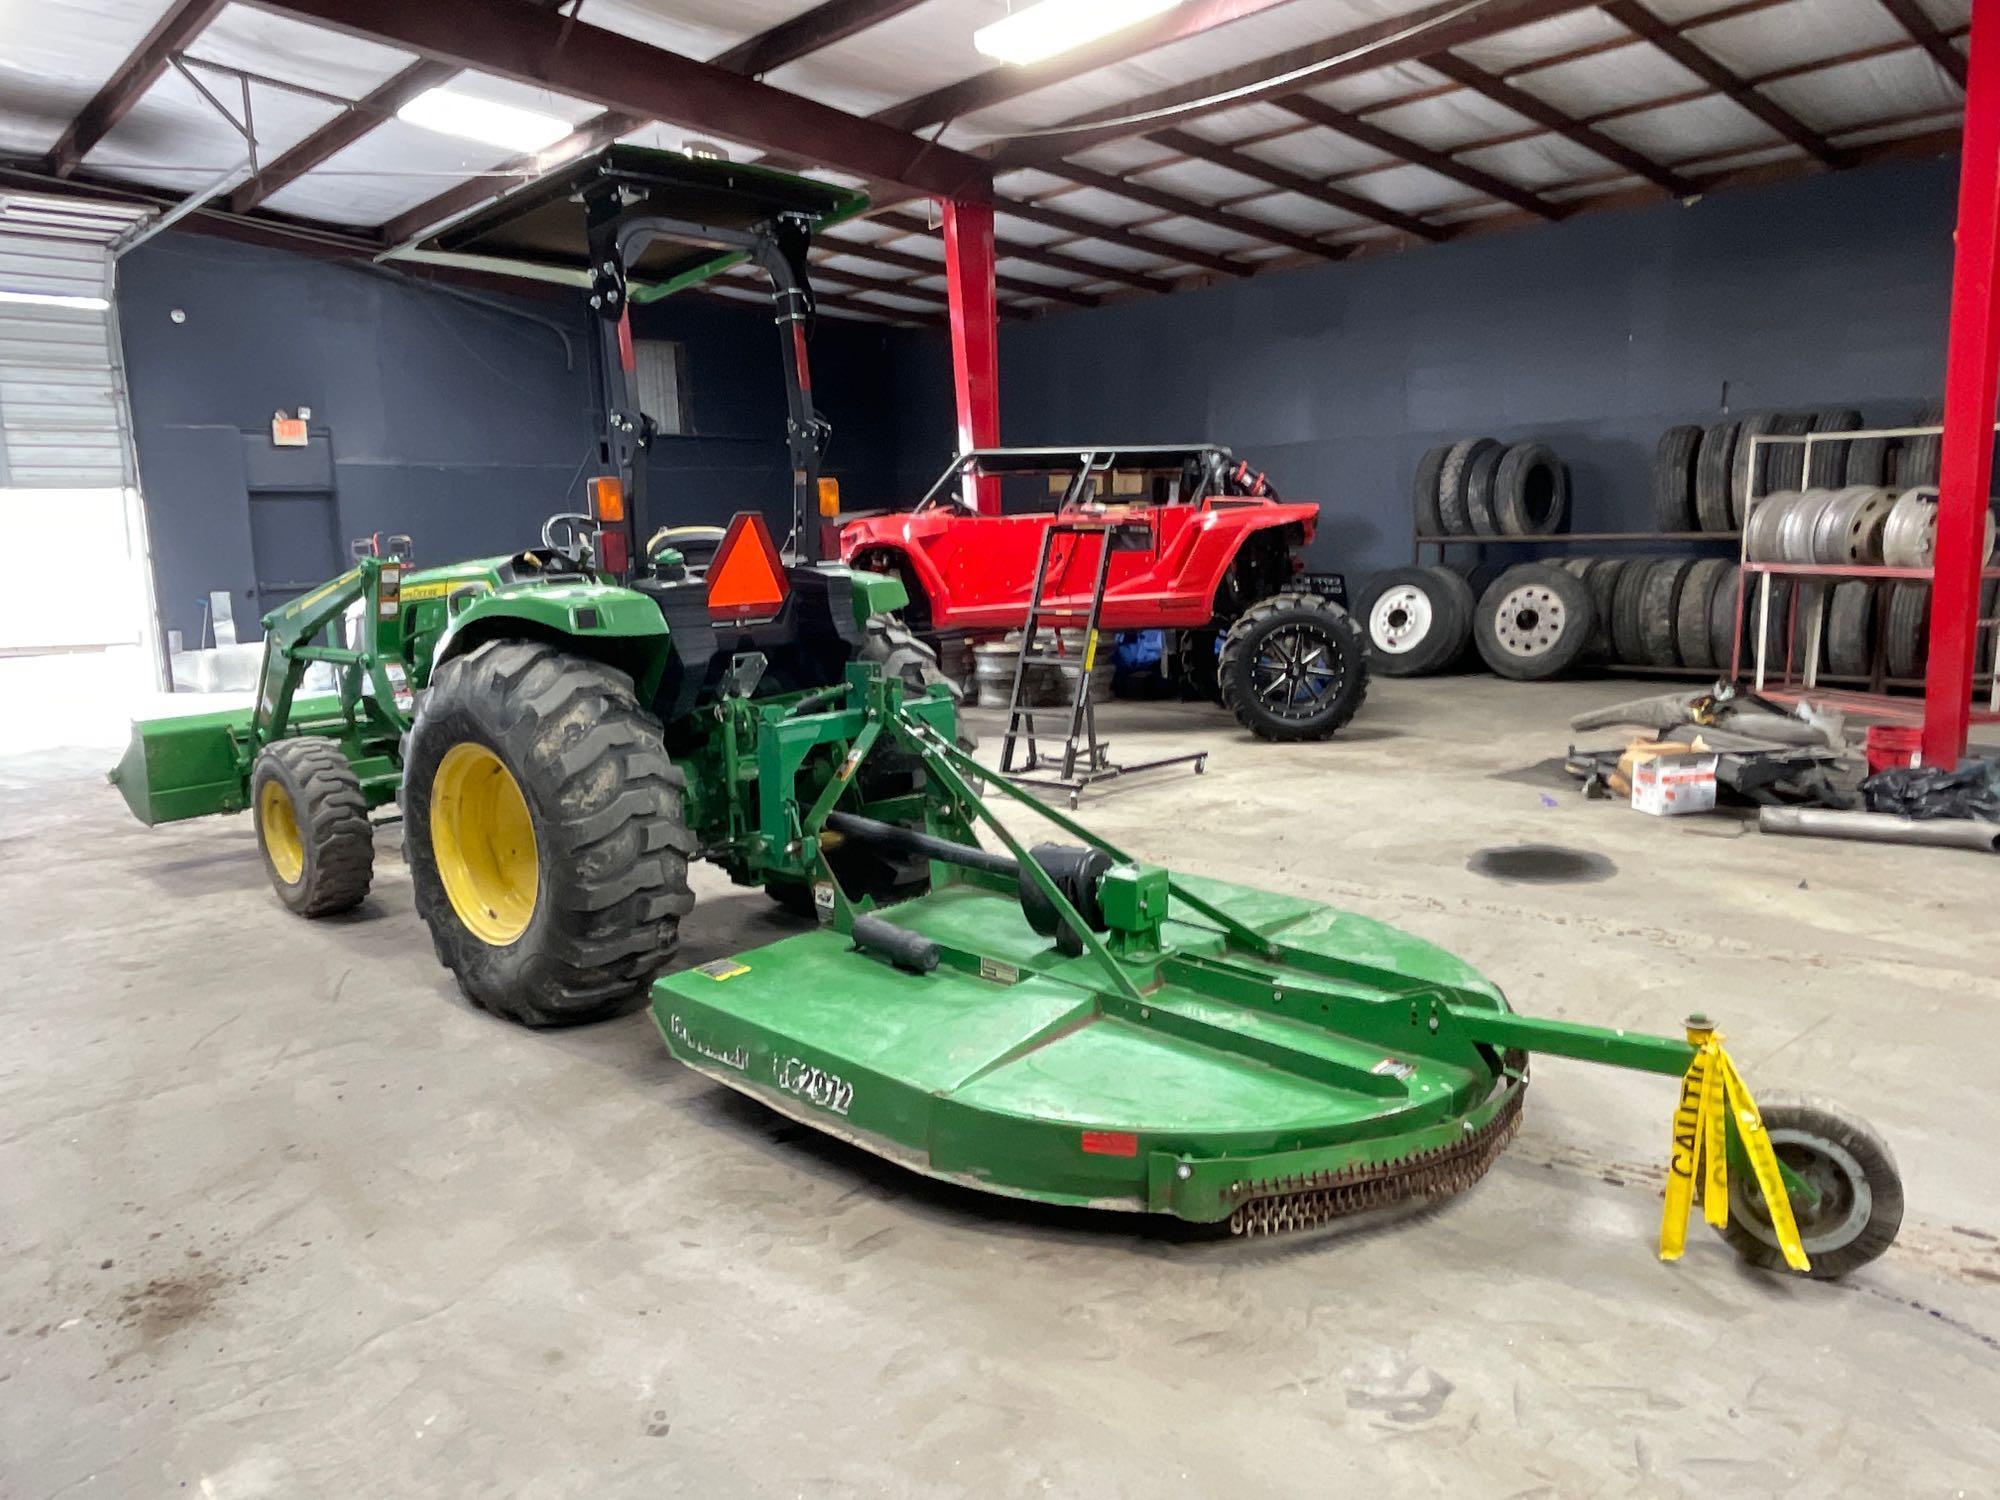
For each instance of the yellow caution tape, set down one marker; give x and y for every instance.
(1711, 1091)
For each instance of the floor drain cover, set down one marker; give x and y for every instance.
(1541, 864)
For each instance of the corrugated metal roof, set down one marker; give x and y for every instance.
(1847, 69)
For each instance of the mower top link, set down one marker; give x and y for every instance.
(566, 728)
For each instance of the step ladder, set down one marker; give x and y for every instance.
(1085, 758)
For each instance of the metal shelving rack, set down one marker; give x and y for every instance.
(1874, 700)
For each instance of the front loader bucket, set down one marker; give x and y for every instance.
(186, 767)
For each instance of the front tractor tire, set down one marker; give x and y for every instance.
(312, 826)
(1294, 667)
(545, 833)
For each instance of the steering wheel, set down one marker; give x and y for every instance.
(567, 533)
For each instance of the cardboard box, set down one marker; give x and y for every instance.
(1667, 786)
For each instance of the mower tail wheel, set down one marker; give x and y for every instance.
(1535, 621)
(1850, 1202)
(1294, 667)
(1418, 620)
(545, 833)
(312, 826)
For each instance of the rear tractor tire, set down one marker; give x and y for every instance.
(1851, 1174)
(312, 826)
(545, 834)
(1294, 667)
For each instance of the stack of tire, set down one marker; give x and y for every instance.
(1480, 487)
(1857, 525)
(1540, 619)
(1703, 476)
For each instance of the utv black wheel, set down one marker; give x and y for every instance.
(312, 826)
(1854, 1199)
(545, 834)
(1293, 668)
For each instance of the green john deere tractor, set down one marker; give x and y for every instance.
(568, 727)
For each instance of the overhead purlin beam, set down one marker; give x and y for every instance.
(1011, 80)
(1189, 144)
(1112, 234)
(182, 23)
(1040, 255)
(347, 127)
(633, 78)
(1548, 116)
(829, 22)
(824, 24)
(889, 256)
(1306, 107)
(1924, 32)
(1404, 38)
(1204, 213)
(1636, 18)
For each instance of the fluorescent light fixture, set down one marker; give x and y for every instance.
(449, 112)
(1052, 26)
(56, 299)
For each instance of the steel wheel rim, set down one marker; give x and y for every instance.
(1846, 1202)
(1530, 620)
(1296, 669)
(279, 827)
(1400, 620)
(484, 840)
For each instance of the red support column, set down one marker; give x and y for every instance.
(975, 337)
(1969, 398)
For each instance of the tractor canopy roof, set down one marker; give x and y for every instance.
(700, 210)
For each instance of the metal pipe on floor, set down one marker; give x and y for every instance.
(1882, 828)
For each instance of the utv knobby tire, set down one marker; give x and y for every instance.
(1417, 620)
(1346, 647)
(335, 846)
(1673, 479)
(611, 839)
(1847, 1160)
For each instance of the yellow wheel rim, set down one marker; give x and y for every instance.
(280, 830)
(485, 844)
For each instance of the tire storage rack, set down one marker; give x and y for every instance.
(1842, 575)
(1662, 615)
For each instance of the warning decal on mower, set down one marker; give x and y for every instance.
(722, 968)
(1712, 1092)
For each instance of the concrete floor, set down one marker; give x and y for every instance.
(280, 1215)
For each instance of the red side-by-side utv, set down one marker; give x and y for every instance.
(1201, 546)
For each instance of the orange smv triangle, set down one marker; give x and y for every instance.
(746, 581)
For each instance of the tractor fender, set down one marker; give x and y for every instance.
(915, 575)
(617, 626)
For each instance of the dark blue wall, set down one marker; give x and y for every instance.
(1595, 334)
(462, 425)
